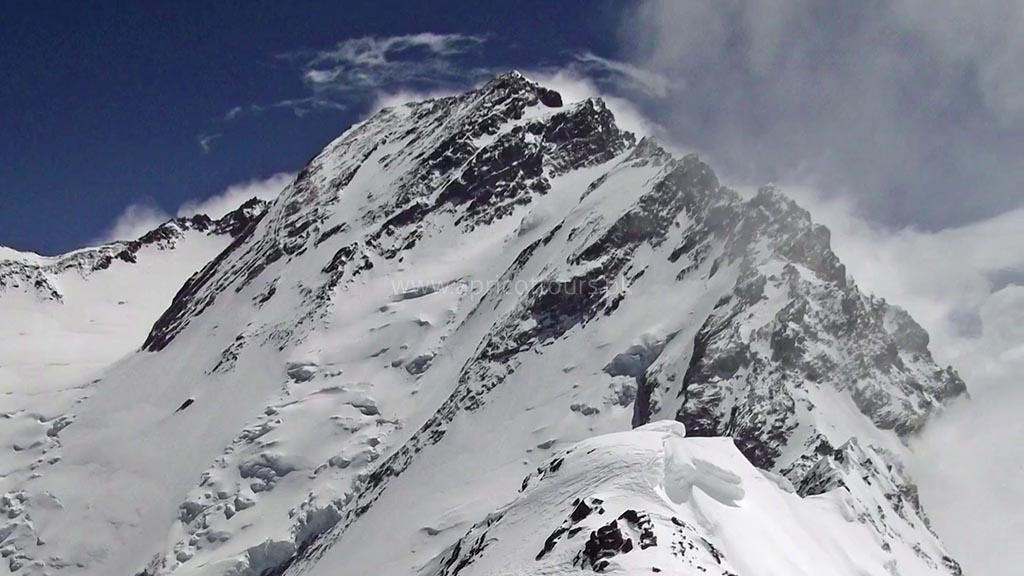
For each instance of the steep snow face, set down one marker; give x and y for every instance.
(447, 294)
(64, 320)
(651, 501)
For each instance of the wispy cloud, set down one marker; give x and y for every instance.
(300, 107)
(205, 141)
(371, 63)
(402, 96)
(650, 83)
(373, 70)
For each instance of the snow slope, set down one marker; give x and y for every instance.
(449, 294)
(66, 319)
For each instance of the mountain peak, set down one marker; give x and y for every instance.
(513, 82)
(460, 291)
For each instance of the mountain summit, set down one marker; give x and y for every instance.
(494, 333)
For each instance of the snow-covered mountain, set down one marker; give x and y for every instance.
(65, 320)
(426, 357)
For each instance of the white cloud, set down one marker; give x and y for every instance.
(398, 97)
(233, 196)
(134, 221)
(969, 472)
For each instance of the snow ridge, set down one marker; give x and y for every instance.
(31, 271)
(653, 501)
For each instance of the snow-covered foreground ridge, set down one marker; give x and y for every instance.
(445, 301)
(651, 501)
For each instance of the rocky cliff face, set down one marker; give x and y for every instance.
(793, 325)
(451, 295)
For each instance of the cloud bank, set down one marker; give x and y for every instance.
(914, 104)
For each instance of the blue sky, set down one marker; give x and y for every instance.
(116, 114)
(108, 105)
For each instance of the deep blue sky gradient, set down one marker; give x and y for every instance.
(101, 104)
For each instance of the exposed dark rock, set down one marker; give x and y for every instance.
(606, 542)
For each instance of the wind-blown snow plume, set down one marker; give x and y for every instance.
(233, 196)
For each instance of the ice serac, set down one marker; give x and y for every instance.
(463, 292)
